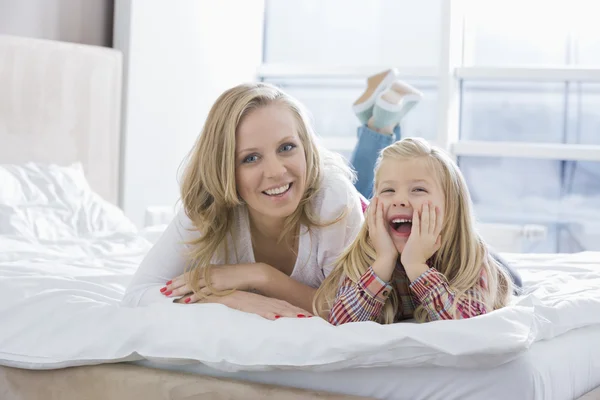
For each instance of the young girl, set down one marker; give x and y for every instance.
(418, 254)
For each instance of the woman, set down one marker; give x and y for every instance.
(262, 203)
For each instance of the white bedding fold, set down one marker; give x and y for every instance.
(61, 308)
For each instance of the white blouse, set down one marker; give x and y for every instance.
(317, 250)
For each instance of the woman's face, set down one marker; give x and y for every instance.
(270, 164)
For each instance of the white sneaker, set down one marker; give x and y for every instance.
(376, 84)
(394, 103)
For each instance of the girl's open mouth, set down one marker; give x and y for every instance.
(401, 226)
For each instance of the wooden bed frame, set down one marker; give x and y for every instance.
(123, 381)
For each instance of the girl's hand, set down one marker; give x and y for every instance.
(243, 277)
(253, 303)
(424, 239)
(378, 231)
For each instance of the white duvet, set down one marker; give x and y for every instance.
(66, 258)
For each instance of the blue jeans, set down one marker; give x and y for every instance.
(365, 155)
(363, 159)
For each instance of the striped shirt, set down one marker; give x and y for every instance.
(364, 300)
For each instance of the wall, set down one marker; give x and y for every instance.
(179, 56)
(80, 21)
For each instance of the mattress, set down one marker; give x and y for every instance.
(565, 367)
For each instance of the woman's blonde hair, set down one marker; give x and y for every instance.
(460, 257)
(208, 188)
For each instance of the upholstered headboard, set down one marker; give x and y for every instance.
(60, 103)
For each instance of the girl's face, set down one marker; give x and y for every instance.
(270, 167)
(404, 186)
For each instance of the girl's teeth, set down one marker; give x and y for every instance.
(278, 190)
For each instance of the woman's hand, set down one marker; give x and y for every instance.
(253, 303)
(245, 277)
(424, 239)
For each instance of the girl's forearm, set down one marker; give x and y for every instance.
(384, 267)
(414, 271)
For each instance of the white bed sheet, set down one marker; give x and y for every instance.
(66, 257)
(565, 367)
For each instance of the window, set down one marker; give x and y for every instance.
(529, 84)
(560, 195)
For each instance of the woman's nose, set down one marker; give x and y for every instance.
(274, 167)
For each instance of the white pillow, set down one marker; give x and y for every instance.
(49, 202)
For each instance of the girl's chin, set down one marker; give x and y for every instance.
(400, 243)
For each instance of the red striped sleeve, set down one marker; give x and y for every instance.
(360, 301)
(434, 293)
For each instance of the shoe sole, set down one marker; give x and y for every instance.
(374, 85)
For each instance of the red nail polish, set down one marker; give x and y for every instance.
(277, 316)
(187, 300)
(168, 293)
(168, 283)
(301, 316)
(163, 289)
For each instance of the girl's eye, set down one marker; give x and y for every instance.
(250, 159)
(420, 190)
(288, 147)
(387, 190)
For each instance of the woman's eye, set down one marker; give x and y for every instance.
(288, 147)
(250, 159)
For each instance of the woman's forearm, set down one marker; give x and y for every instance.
(274, 283)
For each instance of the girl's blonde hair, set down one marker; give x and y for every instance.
(460, 257)
(208, 188)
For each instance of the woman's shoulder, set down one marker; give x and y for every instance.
(336, 194)
(185, 228)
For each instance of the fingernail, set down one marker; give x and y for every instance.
(163, 289)
(277, 316)
(301, 316)
(168, 283)
(168, 293)
(187, 300)
(310, 316)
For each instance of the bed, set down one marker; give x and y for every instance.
(67, 253)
